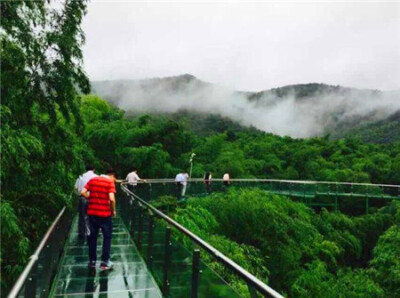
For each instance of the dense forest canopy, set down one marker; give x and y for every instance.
(50, 130)
(299, 252)
(42, 151)
(146, 141)
(384, 131)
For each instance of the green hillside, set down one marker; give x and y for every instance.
(382, 132)
(303, 91)
(324, 109)
(202, 124)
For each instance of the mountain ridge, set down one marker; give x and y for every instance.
(189, 77)
(297, 110)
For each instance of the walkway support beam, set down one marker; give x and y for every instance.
(167, 258)
(195, 273)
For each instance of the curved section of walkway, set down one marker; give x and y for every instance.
(129, 278)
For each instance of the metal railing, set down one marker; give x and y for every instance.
(312, 193)
(254, 284)
(166, 180)
(36, 278)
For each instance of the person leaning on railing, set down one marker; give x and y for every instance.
(207, 181)
(181, 183)
(132, 179)
(226, 179)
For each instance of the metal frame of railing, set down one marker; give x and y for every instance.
(32, 266)
(308, 189)
(170, 180)
(252, 281)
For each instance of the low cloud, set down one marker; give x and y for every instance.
(326, 110)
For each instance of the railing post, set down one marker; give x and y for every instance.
(133, 219)
(195, 273)
(140, 231)
(31, 283)
(253, 293)
(315, 192)
(367, 201)
(149, 192)
(336, 203)
(336, 198)
(167, 256)
(150, 241)
(48, 259)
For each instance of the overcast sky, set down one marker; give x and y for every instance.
(246, 45)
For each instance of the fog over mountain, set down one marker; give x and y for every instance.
(298, 110)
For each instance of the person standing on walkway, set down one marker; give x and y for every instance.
(100, 192)
(185, 176)
(83, 222)
(179, 178)
(207, 181)
(226, 179)
(133, 179)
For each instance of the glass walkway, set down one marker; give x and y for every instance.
(129, 277)
(154, 256)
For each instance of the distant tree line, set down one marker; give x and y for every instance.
(160, 146)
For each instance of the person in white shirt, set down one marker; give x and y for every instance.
(181, 182)
(83, 221)
(178, 181)
(226, 179)
(185, 176)
(133, 179)
(179, 178)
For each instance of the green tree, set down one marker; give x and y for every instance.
(385, 266)
(41, 71)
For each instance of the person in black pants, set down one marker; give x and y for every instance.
(207, 181)
(100, 192)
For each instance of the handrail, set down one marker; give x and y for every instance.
(251, 279)
(34, 258)
(170, 180)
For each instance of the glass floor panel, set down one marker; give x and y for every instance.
(129, 277)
